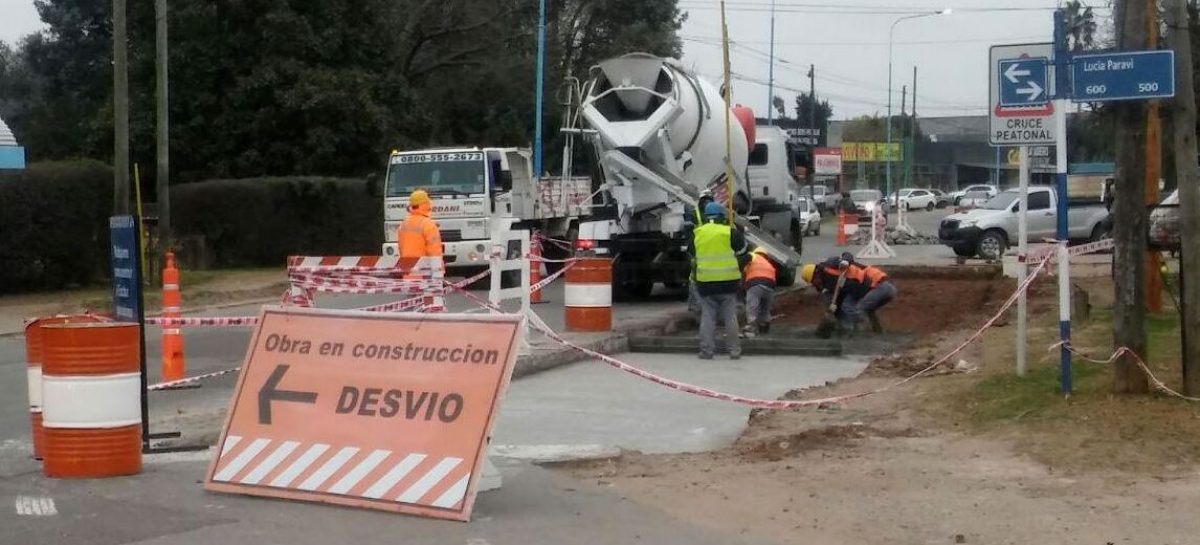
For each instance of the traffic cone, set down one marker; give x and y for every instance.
(535, 268)
(173, 366)
(841, 229)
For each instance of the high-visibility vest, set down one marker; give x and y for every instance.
(760, 268)
(715, 259)
(873, 276)
(418, 236)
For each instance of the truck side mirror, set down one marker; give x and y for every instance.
(373, 188)
(504, 181)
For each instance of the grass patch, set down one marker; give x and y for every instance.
(1007, 397)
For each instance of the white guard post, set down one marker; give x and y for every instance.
(877, 248)
(501, 262)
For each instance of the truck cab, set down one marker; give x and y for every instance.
(772, 187)
(468, 186)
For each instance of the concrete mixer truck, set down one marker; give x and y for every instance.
(659, 134)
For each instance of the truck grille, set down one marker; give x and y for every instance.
(452, 235)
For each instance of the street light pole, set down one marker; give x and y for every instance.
(888, 147)
(771, 71)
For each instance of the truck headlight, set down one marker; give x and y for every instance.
(869, 207)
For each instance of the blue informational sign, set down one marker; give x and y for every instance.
(127, 285)
(1023, 82)
(1123, 75)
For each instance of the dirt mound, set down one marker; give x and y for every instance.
(925, 304)
(773, 449)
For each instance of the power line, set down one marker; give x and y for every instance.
(710, 39)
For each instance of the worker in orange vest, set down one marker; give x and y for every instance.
(879, 291)
(418, 235)
(760, 293)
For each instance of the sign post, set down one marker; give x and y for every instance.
(362, 409)
(1061, 64)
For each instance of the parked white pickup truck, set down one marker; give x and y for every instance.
(989, 230)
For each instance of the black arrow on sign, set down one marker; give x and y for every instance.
(269, 392)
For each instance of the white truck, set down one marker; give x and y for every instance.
(660, 138)
(475, 190)
(989, 230)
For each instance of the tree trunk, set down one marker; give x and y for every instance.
(1129, 213)
(1184, 128)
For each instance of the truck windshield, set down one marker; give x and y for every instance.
(819, 190)
(1002, 201)
(865, 195)
(437, 173)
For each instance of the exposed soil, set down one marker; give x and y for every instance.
(929, 462)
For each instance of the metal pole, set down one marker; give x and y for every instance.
(887, 186)
(120, 111)
(1061, 61)
(771, 70)
(539, 90)
(163, 127)
(730, 186)
(1022, 267)
(812, 125)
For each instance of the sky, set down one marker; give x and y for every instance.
(846, 40)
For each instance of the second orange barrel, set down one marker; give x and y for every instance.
(91, 394)
(588, 295)
(33, 358)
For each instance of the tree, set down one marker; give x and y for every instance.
(780, 106)
(1081, 26)
(804, 104)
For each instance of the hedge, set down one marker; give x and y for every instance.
(54, 222)
(54, 225)
(260, 221)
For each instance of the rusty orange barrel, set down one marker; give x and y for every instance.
(588, 295)
(91, 391)
(33, 374)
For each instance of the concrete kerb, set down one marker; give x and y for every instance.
(615, 342)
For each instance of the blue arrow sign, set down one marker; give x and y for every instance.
(1124, 75)
(1023, 82)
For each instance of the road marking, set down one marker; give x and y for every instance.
(36, 507)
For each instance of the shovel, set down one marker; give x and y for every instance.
(829, 321)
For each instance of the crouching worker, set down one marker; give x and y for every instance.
(760, 293)
(879, 291)
(840, 288)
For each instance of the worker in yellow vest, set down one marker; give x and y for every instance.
(716, 247)
(760, 293)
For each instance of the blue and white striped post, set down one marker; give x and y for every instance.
(1061, 85)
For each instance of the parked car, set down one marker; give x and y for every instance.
(826, 201)
(914, 199)
(943, 198)
(866, 201)
(974, 199)
(810, 217)
(1164, 224)
(989, 230)
(991, 191)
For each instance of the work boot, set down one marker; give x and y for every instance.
(875, 325)
(764, 328)
(735, 355)
(704, 356)
(748, 331)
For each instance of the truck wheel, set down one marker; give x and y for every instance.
(1100, 232)
(741, 204)
(964, 252)
(992, 245)
(797, 237)
(637, 290)
(929, 207)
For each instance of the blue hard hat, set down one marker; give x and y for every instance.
(714, 209)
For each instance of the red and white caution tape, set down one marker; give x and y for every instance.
(215, 321)
(1125, 351)
(190, 380)
(1073, 251)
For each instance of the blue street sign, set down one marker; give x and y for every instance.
(123, 239)
(1023, 82)
(1124, 75)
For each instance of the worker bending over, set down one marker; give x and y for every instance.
(880, 291)
(865, 289)
(418, 235)
(715, 250)
(760, 293)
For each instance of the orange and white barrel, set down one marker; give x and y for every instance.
(91, 393)
(33, 370)
(587, 295)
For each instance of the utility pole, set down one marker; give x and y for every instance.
(812, 127)
(120, 112)
(910, 148)
(1154, 300)
(1129, 212)
(1184, 126)
(539, 90)
(163, 126)
(771, 71)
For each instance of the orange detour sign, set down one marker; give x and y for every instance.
(384, 411)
